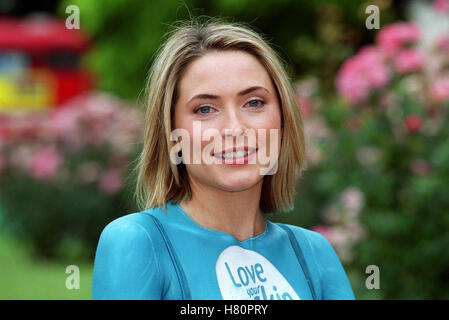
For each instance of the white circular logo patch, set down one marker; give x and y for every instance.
(247, 275)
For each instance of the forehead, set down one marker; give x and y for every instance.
(223, 72)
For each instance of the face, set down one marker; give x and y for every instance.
(226, 104)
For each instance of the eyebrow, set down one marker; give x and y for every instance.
(241, 93)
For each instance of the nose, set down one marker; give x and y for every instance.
(233, 125)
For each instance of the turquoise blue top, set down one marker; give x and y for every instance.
(166, 255)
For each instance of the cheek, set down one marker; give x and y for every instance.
(272, 122)
(270, 128)
(271, 119)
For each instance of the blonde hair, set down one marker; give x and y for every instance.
(158, 179)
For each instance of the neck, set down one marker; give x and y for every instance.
(234, 212)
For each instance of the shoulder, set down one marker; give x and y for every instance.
(132, 237)
(133, 230)
(137, 224)
(126, 254)
(128, 225)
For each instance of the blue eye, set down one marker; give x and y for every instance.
(255, 103)
(204, 110)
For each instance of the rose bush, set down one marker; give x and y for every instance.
(66, 173)
(378, 158)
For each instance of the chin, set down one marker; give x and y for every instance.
(238, 182)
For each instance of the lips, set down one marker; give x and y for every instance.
(236, 156)
(235, 153)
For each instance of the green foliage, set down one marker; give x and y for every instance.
(313, 38)
(64, 181)
(60, 221)
(405, 190)
(125, 34)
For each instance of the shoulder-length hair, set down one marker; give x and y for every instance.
(158, 179)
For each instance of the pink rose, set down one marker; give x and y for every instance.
(408, 60)
(393, 37)
(442, 43)
(352, 86)
(304, 104)
(413, 123)
(362, 73)
(45, 163)
(441, 6)
(371, 63)
(110, 181)
(352, 200)
(439, 90)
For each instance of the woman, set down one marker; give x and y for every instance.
(223, 146)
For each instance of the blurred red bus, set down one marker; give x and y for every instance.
(40, 64)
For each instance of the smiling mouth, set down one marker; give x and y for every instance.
(235, 156)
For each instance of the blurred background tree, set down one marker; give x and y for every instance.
(313, 37)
